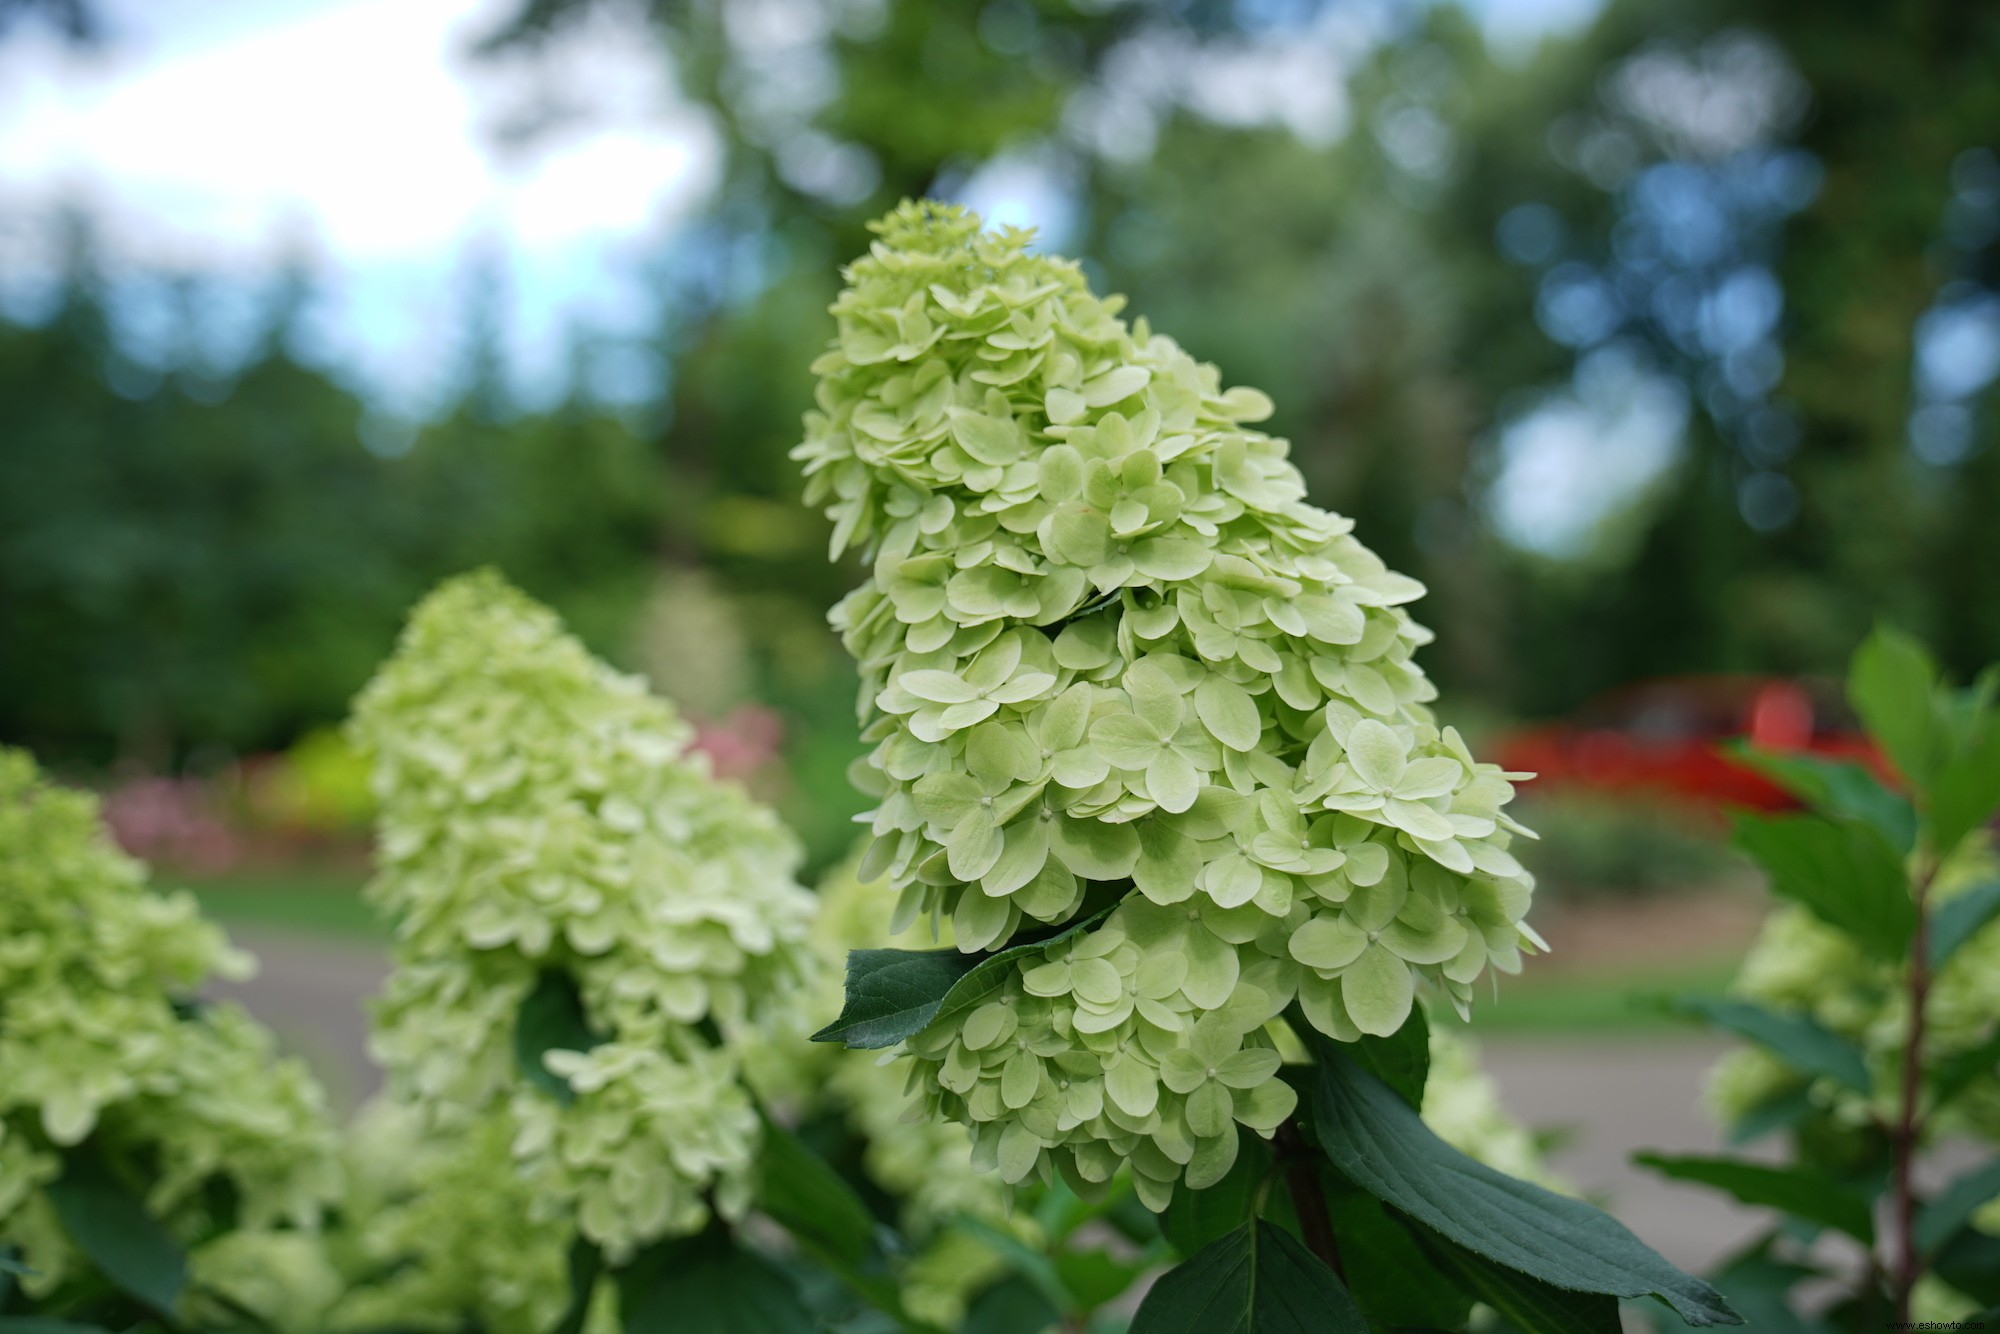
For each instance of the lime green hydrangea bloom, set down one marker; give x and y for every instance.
(542, 814)
(1107, 646)
(100, 1041)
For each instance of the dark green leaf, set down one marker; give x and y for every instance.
(893, 994)
(1094, 1277)
(1389, 1274)
(1846, 874)
(1196, 1218)
(1014, 1305)
(1890, 683)
(1028, 1262)
(1402, 1060)
(1532, 1305)
(109, 1223)
(1956, 1074)
(1960, 918)
(1967, 788)
(805, 1196)
(1780, 1111)
(586, 1263)
(801, 1192)
(1760, 1288)
(551, 1018)
(1796, 1191)
(1257, 1280)
(1796, 1039)
(1953, 1208)
(708, 1285)
(1380, 1143)
(15, 1324)
(1839, 788)
(1970, 1262)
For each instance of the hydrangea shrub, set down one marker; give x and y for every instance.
(109, 1064)
(564, 872)
(1112, 659)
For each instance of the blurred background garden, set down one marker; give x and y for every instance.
(1657, 337)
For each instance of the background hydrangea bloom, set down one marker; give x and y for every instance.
(542, 818)
(1111, 656)
(106, 1052)
(438, 1237)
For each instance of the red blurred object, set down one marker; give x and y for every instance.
(1669, 737)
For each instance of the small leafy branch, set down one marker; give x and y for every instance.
(1892, 892)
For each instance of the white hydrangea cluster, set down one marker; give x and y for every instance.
(100, 1043)
(1106, 645)
(1801, 965)
(541, 814)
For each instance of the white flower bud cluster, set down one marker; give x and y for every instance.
(1106, 645)
(541, 814)
(100, 1041)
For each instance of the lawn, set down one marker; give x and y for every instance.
(302, 901)
(1623, 1001)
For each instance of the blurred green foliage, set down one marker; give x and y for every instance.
(181, 571)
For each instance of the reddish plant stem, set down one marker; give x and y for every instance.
(1909, 1128)
(1308, 1200)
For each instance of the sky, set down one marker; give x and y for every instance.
(225, 137)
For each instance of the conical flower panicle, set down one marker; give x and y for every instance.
(542, 818)
(101, 1042)
(1109, 652)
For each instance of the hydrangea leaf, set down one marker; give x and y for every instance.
(1380, 1143)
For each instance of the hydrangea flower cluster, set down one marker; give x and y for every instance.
(1107, 646)
(542, 815)
(100, 1042)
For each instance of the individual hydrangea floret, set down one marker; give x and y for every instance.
(104, 1044)
(543, 819)
(1108, 652)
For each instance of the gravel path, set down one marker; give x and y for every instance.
(1612, 1096)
